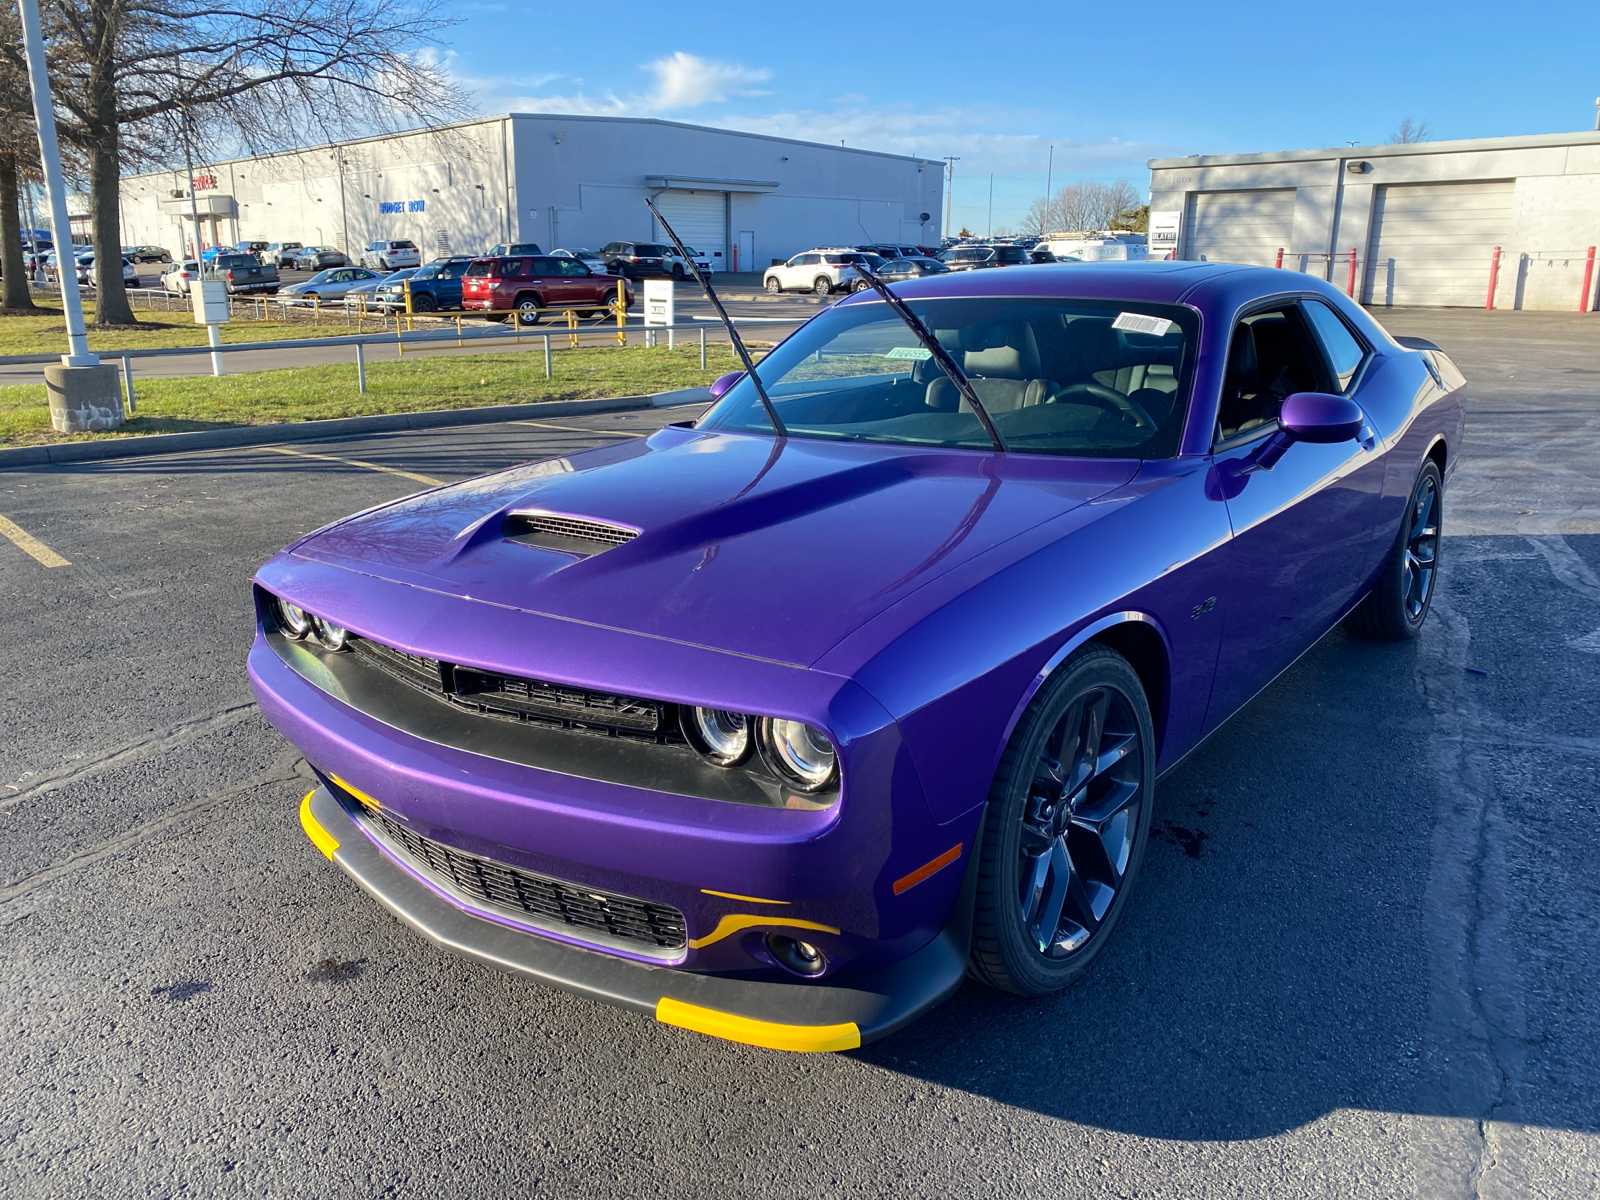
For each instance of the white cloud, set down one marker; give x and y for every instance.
(688, 81)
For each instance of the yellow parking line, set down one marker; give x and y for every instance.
(356, 462)
(29, 544)
(579, 429)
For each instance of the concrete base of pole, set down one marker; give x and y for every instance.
(83, 399)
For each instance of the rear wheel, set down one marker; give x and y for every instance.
(527, 309)
(1396, 608)
(774, 288)
(1066, 826)
(822, 285)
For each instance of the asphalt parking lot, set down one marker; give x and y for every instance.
(1363, 960)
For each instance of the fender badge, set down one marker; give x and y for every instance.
(1203, 608)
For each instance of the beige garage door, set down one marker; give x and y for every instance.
(699, 218)
(1431, 243)
(1238, 227)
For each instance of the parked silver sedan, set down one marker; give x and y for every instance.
(379, 279)
(331, 284)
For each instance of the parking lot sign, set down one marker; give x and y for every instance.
(1163, 238)
(658, 297)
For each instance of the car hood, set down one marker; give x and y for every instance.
(759, 546)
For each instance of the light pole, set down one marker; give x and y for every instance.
(44, 118)
(950, 162)
(1049, 179)
(991, 205)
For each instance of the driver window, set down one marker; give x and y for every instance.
(1270, 356)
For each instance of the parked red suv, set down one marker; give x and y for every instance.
(525, 284)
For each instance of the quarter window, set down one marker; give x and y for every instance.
(1345, 354)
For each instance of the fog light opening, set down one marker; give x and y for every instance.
(793, 955)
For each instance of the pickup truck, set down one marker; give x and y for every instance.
(243, 274)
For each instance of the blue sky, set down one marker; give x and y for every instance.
(1109, 87)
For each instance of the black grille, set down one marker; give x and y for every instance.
(522, 892)
(517, 698)
(413, 668)
(574, 528)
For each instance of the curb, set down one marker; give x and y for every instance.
(298, 431)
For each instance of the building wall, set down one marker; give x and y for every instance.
(572, 181)
(1556, 210)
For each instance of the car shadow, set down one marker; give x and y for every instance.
(1274, 964)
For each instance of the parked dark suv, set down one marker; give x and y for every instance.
(435, 286)
(636, 260)
(526, 285)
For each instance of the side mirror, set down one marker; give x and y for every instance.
(1319, 418)
(723, 386)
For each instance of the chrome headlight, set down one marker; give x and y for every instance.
(799, 753)
(293, 619)
(330, 635)
(721, 736)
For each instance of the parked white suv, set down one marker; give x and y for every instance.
(392, 255)
(819, 271)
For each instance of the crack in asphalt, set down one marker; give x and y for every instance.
(157, 741)
(287, 766)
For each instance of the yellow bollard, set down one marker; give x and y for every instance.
(622, 312)
(572, 328)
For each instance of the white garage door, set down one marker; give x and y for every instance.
(1432, 243)
(1239, 227)
(700, 219)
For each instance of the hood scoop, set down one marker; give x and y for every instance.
(564, 533)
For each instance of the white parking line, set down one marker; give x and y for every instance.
(356, 462)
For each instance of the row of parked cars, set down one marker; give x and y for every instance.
(831, 268)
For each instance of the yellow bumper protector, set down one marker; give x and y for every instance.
(320, 837)
(751, 1032)
(734, 922)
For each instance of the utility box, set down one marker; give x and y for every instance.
(658, 302)
(210, 301)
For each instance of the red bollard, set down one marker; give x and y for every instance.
(1588, 278)
(1494, 276)
(1279, 263)
(1351, 290)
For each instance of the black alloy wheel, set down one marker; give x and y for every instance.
(1396, 608)
(422, 302)
(774, 288)
(1066, 826)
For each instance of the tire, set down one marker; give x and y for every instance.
(424, 303)
(774, 288)
(822, 285)
(860, 285)
(1396, 608)
(527, 309)
(1052, 848)
(677, 273)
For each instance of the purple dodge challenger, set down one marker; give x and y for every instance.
(777, 724)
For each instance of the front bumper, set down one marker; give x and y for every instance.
(834, 1014)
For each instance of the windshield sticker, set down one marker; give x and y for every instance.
(1139, 323)
(915, 353)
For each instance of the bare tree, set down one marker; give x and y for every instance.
(19, 157)
(264, 74)
(1409, 131)
(1084, 205)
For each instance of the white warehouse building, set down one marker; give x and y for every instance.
(1508, 222)
(745, 199)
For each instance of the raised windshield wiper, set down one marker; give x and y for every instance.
(727, 323)
(941, 356)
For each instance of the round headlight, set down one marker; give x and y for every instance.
(799, 753)
(723, 737)
(293, 619)
(330, 635)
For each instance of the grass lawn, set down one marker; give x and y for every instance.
(47, 333)
(419, 384)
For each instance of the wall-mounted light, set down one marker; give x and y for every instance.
(1358, 168)
(785, 158)
(560, 133)
(435, 191)
(366, 195)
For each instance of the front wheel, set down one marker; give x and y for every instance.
(423, 303)
(677, 272)
(1066, 826)
(774, 288)
(1396, 608)
(822, 285)
(860, 285)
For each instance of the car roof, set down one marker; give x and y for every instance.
(1154, 282)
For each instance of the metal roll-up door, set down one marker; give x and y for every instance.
(1238, 227)
(700, 219)
(1431, 243)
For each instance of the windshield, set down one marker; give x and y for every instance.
(1100, 378)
